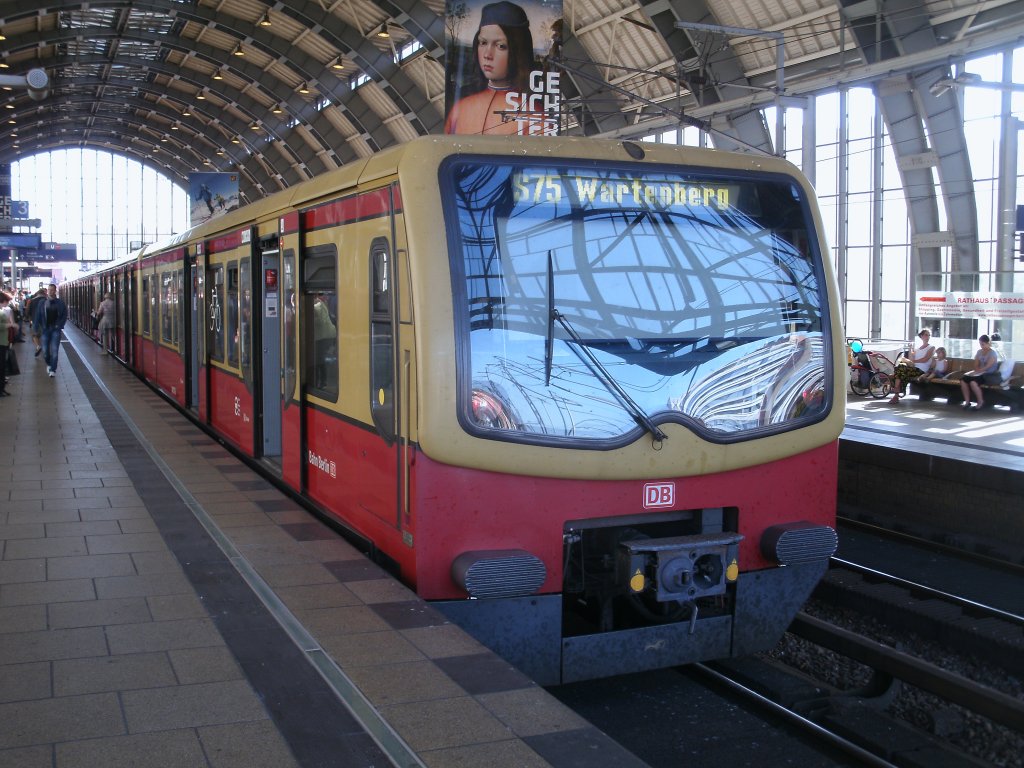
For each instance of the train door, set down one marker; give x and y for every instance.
(116, 287)
(193, 326)
(292, 417)
(380, 478)
(272, 373)
(205, 320)
(150, 331)
(130, 315)
(386, 479)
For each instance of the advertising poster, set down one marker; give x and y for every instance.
(211, 195)
(975, 305)
(498, 80)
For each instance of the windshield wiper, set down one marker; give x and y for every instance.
(601, 373)
(588, 358)
(549, 339)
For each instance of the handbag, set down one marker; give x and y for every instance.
(12, 368)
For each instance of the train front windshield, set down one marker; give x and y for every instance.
(594, 304)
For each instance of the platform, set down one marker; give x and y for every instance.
(936, 470)
(161, 605)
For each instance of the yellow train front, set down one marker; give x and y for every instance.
(584, 395)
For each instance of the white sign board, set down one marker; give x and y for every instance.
(973, 305)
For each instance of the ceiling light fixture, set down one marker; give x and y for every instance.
(277, 109)
(217, 75)
(338, 63)
(238, 51)
(201, 96)
(186, 113)
(383, 31)
(265, 21)
(303, 88)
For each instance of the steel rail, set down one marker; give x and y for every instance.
(996, 706)
(866, 757)
(913, 586)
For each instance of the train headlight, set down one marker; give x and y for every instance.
(489, 410)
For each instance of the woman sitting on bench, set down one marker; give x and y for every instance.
(918, 364)
(986, 371)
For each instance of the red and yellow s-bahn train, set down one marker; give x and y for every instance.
(583, 395)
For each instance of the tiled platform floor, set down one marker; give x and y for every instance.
(160, 605)
(994, 436)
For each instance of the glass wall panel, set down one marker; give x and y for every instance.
(986, 193)
(895, 276)
(858, 319)
(794, 134)
(895, 222)
(860, 107)
(99, 201)
(894, 320)
(827, 125)
(860, 219)
(858, 274)
(827, 170)
(860, 165)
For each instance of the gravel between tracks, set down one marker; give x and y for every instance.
(971, 733)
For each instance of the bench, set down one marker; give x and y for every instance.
(1009, 392)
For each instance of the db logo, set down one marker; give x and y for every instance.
(659, 495)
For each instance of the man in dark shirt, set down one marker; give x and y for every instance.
(50, 314)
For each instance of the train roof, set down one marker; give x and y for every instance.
(430, 149)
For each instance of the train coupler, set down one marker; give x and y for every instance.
(680, 568)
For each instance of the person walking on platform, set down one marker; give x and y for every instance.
(6, 337)
(51, 316)
(31, 307)
(107, 317)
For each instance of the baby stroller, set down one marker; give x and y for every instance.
(870, 372)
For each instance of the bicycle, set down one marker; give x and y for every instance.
(867, 374)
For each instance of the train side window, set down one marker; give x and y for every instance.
(145, 306)
(320, 310)
(382, 400)
(215, 315)
(231, 309)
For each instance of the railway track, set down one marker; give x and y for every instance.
(863, 720)
(742, 681)
(930, 654)
(848, 691)
(963, 624)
